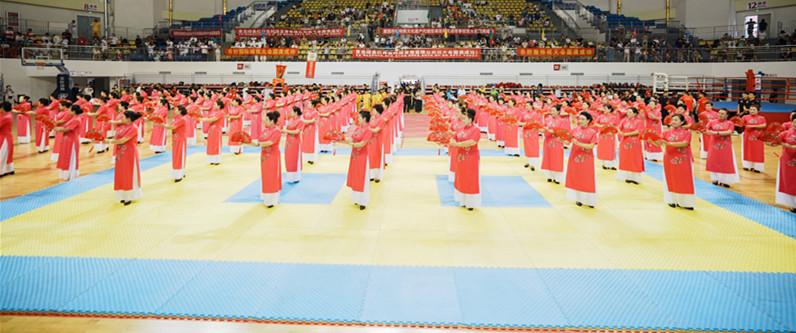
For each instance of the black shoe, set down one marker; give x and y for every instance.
(604, 168)
(716, 183)
(672, 205)
(127, 203)
(549, 180)
(372, 179)
(271, 206)
(634, 182)
(591, 206)
(121, 201)
(745, 169)
(533, 169)
(236, 153)
(516, 155)
(101, 151)
(578, 203)
(361, 207)
(689, 208)
(158, 152)
(527, 165)
(555, 181)
(11, 173)
(628, 181)
(470, 209)
(726, 185)
(613, 168)
(178, 180)
(793, 210)
(310, 162)
(756, 171)
(377, 181)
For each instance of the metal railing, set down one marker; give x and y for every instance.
(507, 54)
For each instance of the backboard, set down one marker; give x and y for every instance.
(39, 56)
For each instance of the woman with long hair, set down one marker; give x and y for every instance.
(293, 130)
(358, 164)
(179, 145)
(631, 158)
(70, 145)
(721, 156)
(127, 173)
(581, 183)
(467, 185)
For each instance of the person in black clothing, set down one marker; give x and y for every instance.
(74, 93)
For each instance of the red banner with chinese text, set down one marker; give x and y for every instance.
(195, 33)
(437, 31)
(269, 52)
(417, 54)
(279, 32)
(557, 52)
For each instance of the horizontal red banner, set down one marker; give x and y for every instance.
(249, 51)
(278, 32)
(558, 52)
(196, 33)
(436, 31)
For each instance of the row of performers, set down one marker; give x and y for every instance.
(126, 124)
(675, 142)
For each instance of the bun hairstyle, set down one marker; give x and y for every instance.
(679, 116)
(378, 108)
(635, 111)
(6, 106)
(124, 105)
(273, 116)
(132, 115)
(220, 104)
(365, 114)
(297, 110)
(182, 109)
(238, 100)
(43, 101)
(76, 109)
(257, 98)
(66, 104)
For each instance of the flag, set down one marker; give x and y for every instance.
(446, 33)
(348, 33)
(397, 33)
(542, 35)
(634, 33)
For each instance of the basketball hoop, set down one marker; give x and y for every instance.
(40, 63)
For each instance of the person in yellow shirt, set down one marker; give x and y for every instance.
(366, 98)
(96, 27)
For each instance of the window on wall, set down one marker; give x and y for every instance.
(750, 26)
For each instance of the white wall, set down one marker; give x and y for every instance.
(45, 14)
(40, 82)
(135, 13)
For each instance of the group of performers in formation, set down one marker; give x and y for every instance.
(306, 117)
(608, 123)
(312, 121)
